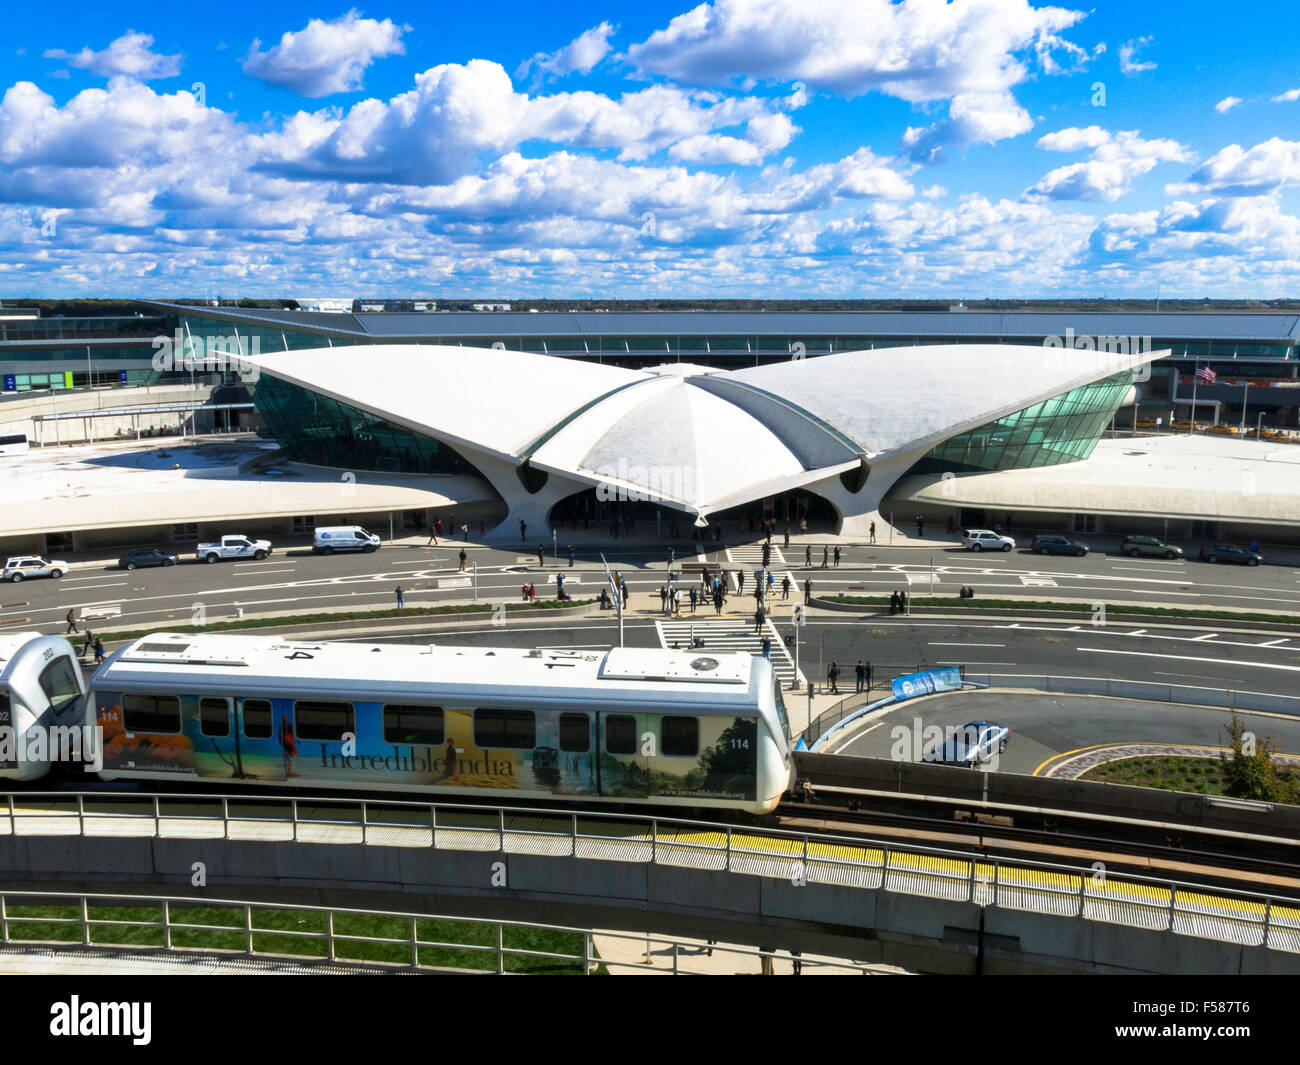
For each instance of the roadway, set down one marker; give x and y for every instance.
(1044, 726)
(294, 580)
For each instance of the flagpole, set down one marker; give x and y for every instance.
(1196, 378)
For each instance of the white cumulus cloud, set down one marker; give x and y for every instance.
(1129, 63)
(131, 56)
(1235, 171)
(578, 56)
(1227, 104)
(973, 118)
(1290, 96)
(1117, 160)
(325, 57)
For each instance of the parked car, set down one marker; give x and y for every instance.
(233, 547)
(1147, 423)
(1231, 553)
(1149, 545)
(1057, 545)
(1184, 425)
(147, 557)
(985, 540)
(20, 567)
(1223, 430)
(973, 743)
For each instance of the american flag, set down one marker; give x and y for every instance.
(1206, 374)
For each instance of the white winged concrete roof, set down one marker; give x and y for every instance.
(723, 436)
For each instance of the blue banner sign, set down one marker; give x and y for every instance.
(927, 682)
(11, 382)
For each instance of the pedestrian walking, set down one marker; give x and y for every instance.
(837, 556)
(807, 589)
(893, 603)
(89, 645)
(920, 527)
(785, 587)
(767, 647)
(868, 676)
(433, 536)
(826, 555)
(99, 651)
(902, 602)
(71, 619)
(464, 531)
(694, 598)
(541, 556)
(833, 676)
(623, 586)
(463, 559)
(807, 555)
(860, 673)
(767, 555)
(717, 602)
(570, 556)
(677, 602)
(740, 580)
(532, 592)
(786, 543)
(523, 529)
(401, 598)
(663, 599)
(872, 532)
(758, 619)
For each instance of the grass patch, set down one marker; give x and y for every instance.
(280, 932)
(1082, 609)
(1202, 776)
(359, 615)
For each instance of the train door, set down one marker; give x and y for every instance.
(264, 753)
(217, 752)
(579, 768)
(624, 771)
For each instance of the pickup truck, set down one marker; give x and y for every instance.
(973, 743)
(233, 547)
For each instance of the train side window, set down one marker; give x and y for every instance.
(415, 725)
(505, 728)
(59, 682)
(575, 733)
(323, 721)
(679, 736)
(257, 718)
(214, 717)
(151, 713)
(620, 734)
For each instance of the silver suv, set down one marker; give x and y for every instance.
(21, 567)
(985, 540)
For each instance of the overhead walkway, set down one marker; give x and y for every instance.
(911, 903)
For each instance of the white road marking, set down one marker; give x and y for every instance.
(1192, 658)
(1207, 636)
(102, 577)
(1271, 643)
(938, 643)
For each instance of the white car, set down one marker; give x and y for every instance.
(973, 743)
(985, 540)
(21, 567)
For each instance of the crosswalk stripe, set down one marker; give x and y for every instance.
(754, 553)
(731, 634)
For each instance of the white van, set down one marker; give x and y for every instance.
(333, 538)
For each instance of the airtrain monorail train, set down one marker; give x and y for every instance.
(630, 725)
(40, 691)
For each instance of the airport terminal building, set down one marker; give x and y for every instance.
(840, 419)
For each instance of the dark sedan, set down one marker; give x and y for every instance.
(1231, 553)
(150, 557)
(1057, 545)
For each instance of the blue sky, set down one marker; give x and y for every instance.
(750, 148)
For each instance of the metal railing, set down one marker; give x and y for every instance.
(1244, 918)
(175, 919)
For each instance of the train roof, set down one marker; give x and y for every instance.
(277, 666)
(15, 647)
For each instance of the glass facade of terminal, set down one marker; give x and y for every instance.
(1063, 429)
(318, 430)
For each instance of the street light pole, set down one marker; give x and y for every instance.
(554, 545)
